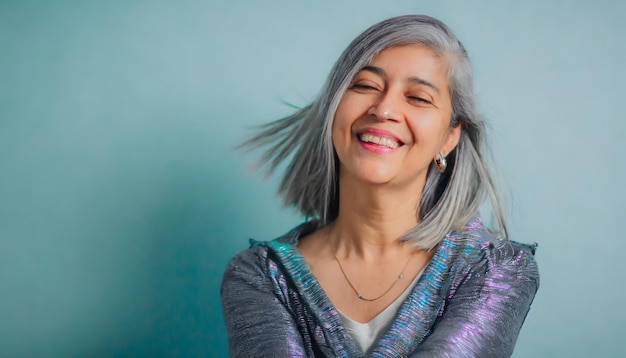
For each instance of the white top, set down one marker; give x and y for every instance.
(365, 334)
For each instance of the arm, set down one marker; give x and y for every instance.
(484, 316)
(258, 323)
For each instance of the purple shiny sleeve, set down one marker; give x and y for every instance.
(484, 314)
(258, 324)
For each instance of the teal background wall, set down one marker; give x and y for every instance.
(121, 199)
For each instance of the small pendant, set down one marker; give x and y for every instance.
(400, 276)
(360, 296)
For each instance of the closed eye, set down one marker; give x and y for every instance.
(419, 99)
(363, 87)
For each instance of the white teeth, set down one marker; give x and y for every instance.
(387, 142)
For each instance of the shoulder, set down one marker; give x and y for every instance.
(248, 261)
(483, 251)
(254, 260)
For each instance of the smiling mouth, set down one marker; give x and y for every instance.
(382, 141)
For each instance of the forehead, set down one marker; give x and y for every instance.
(410, 60)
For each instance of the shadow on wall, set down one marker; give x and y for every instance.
(170, 304)
(120, 257)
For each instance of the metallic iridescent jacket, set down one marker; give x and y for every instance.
(471, 301)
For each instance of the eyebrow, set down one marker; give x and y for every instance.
(415, 79)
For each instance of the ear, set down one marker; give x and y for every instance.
(452, 140)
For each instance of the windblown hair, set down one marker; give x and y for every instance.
(310, 182)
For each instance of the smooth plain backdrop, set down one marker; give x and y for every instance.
(121, 198)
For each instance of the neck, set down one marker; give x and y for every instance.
(372, 218)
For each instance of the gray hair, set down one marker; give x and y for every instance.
(310, 182)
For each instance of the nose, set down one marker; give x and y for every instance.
(387, 107)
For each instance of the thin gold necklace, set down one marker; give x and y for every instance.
(358, 294)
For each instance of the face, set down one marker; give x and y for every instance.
(394, 118)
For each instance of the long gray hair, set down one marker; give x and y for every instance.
(310, 182)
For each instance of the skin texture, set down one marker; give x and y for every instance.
(401, 98)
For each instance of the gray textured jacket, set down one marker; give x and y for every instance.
(470, 301)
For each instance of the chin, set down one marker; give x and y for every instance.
(374, 176)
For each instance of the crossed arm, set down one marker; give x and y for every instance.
(482, 318)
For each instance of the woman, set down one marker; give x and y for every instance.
(395, 262)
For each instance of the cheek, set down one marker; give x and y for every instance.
(338, 133)
(428, 129)
(341, 124)
(430, 137)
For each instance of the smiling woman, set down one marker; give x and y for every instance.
(387, 162)
(398, 105)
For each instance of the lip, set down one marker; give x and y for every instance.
(376, 148)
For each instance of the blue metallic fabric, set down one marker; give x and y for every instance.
(470, 301)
